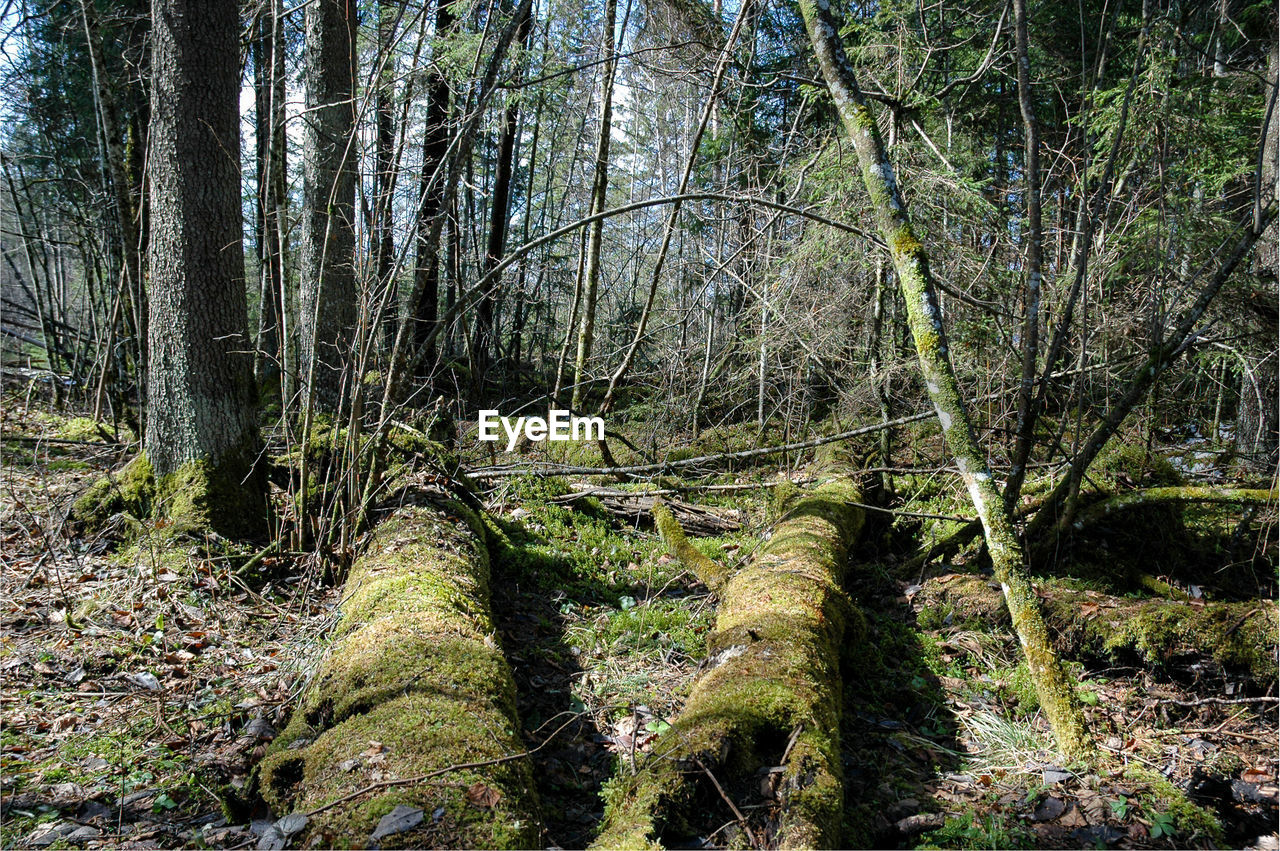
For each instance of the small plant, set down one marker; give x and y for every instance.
(1162, 825)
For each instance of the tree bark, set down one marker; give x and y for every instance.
(599, 188)
(273, 188)
(485, 342)
(202, 433)
(1034, 242)
(911, 261)
(327, 303)
(435, 147)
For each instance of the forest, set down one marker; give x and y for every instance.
(644, 424)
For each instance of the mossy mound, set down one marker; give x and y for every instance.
(1240, 638)
(130, 490)
(763, 719)
(415, 685)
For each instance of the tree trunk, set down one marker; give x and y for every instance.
(327, 304)
(599, 188)
(202, 432)
(485, 342)
(273, 188)
(1034, 242)
(1057, 694)
(435, 147)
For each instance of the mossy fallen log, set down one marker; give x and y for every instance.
(414, 684)
(759, 733)
(1145, 497)
(1238, 638)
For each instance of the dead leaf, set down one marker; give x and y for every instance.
(482, 796)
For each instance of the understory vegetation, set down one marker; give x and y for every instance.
(929, 361)
(148, 672)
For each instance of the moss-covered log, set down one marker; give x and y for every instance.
(1239, 638)
(709, 571)
(415, 683)
(761, 724)
(1144, 497)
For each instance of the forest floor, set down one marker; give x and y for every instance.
(136, 692)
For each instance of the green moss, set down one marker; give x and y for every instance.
(130, 490)
(82, 428)
(904, 242)
(775, 653)
(1193, 823)
(1134, 466)
(227, 498)
(709, 572)
(416, 668)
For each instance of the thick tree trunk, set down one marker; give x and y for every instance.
(910, 260)
(416, 669)
(327, 303)
(202, 432)
(770, 696)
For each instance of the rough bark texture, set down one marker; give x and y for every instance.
(911, 262)
(202, 434)
(769, 698)
(416, 667)
(327, 295)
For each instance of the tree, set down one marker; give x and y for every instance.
(911, 261)
(435, 148)
(599, 188)
(202, 436)
(327, 303)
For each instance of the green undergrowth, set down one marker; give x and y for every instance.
(626, 613)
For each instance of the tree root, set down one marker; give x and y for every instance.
(414, 683)
(760, 726)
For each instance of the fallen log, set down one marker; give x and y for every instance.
(1143, 497)
(414, 686)
(759, 733)
(636, 508)
(1235, 638)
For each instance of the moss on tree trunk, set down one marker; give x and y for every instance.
(763, 718)
(911, 262)
(416, 669)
